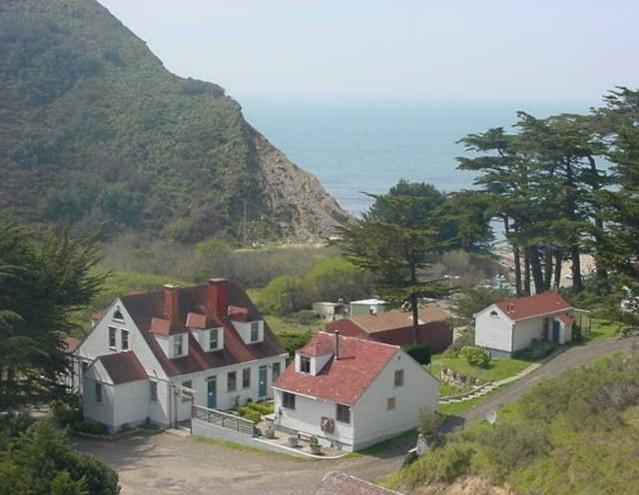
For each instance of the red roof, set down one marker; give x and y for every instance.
(537, 305)
(341, 380)
(146, 307)
(71, 344)
(123, 367)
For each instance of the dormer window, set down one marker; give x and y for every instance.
(214, 339)
(305, 364)
(178, 345)
(493, 313)
(255, 331)
(117, 314)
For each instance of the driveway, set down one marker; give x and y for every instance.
(164, 464)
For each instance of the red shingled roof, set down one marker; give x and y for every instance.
(341, 380)
(527, 307)
(123, 367)
(144, 307)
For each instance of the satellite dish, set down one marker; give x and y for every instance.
(491, 417)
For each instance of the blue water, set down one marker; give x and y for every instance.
(356, 147)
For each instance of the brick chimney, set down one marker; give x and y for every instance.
(171, 302)
(336, 344)
(217, 296)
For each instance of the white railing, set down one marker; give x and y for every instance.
(225, 420)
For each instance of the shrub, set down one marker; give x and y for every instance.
(67, 413)
(250, 414)
(429, 425)
(305, 317)
(476, 356)
(419, 352)
(537, 350)
(90, 427)
(261, 407)
(293, 341)
(441, 465)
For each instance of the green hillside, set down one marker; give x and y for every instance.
(95, 131)
(575, 434)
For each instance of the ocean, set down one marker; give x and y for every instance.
(355, 148)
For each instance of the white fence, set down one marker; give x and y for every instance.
(224, 420)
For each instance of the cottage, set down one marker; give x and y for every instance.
(150, 356)
(351, 392)
(395, 327)
(511, 325)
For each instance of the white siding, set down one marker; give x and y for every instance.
(493, 331)
(307, 418)
(102, 412)
(371, 422)
(131, 403)
(527, 330)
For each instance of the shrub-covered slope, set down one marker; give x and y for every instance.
(94, 130)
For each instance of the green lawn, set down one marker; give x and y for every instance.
(499, 367)
(602, 329)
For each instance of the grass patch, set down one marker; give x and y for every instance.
(281, 325)
(247, 448)
(389, 443)
(498, 368)
(602, 329)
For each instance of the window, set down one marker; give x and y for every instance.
(305, 364)
(213, 339)
(178, 347)
(276, 371)
(98, 392)
(154, 391)
(493, 313)
(112, 341)
(117, 314)
(343, 414)
(231, 380)
(390, 404)
(399, 378)
(187, 384)
(255, 331)
(288, 400)
(246, 377)
(125, 339)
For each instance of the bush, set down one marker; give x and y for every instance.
(261, 407)
(537, 350)
(305, 317)
(250, 414)
(68, 412)
(90, 427)
(441, 465)
(429, 425)
(419, 352)
(292, 341)
(476, 356)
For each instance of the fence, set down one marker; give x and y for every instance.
(225, 420)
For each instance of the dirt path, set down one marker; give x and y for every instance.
(165, 464)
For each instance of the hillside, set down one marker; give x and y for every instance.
(574, 434)
(95, 131)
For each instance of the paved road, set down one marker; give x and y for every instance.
(164, 464)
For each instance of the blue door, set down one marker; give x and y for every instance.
(262, 381)
(211, 392)
(556, 327)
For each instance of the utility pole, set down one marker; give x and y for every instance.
(244, 233)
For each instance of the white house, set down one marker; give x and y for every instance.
(150, 356)
(509, 326)
(351, 392)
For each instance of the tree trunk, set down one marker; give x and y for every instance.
(414, 302)
(559, 257)
(516, 256)
(577, 284)
(526, 273)
(537, 275)
(547, 267)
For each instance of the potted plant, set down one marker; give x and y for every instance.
(293, 442)
(269, 432)
(315, 445)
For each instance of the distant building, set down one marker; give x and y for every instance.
(395, 327)
(511, 325)
(152, 355)
(330, 311)
(367, 307)
(351, 393)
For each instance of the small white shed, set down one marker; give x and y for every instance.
(509, 326)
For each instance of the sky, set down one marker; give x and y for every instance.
(409, 50)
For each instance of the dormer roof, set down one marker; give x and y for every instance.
(341, 380)
(148, 312)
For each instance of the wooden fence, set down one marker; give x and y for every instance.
(224, 420)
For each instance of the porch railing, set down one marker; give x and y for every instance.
(225, 420)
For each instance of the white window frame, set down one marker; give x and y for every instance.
(178, 344)
(124, 337)
(216, 332)
(255, 327)
(113, 338)
(305, 359)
